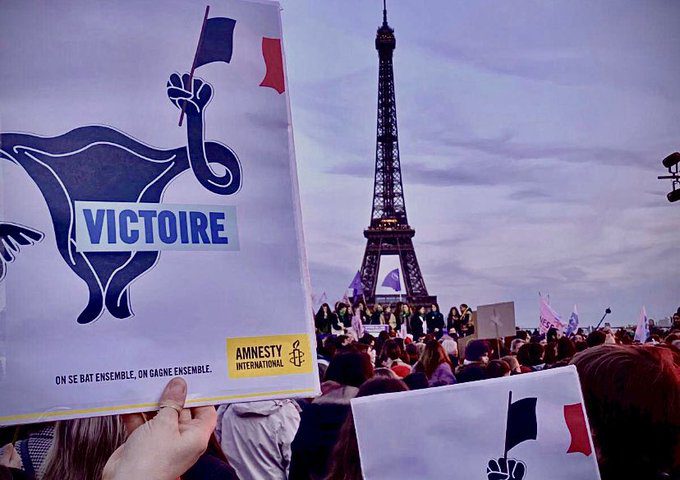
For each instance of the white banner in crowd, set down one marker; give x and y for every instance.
(525, 427)
(150, 223)
(496, 320)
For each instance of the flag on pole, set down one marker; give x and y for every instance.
(642, 329)
(217, 41)
(356, 284)
(392, 280)
(521, 424)
(573, 322)
(549, 318)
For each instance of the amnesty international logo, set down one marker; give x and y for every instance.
(297, 356)
(268, 356)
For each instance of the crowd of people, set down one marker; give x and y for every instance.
(405, 318)
(631, 392)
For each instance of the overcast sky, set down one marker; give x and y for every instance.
(531, 135)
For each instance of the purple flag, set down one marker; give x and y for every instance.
(392, 280)
(356, 284)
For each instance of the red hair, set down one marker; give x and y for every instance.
(632, 396)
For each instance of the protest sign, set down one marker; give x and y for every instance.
(376, 329)
(496, 320)
(523, 427)
(150, 223)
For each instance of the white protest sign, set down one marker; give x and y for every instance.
(376, 329)
(496, 320)
(135, 246)
(524, 427)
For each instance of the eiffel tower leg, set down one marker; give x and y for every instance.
(415, 285)
(369, 268)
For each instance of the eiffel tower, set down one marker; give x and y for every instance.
(389, 232)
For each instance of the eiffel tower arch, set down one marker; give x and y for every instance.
(389, 232)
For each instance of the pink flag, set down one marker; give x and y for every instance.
(549, 318)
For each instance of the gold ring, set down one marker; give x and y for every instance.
(174, 406)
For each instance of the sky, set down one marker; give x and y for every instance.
(531, 136)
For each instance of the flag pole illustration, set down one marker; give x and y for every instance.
(215, 44)
(193, 64)
(521, 424)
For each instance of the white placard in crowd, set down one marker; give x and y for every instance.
(376, 329)
(150, 223)
(496, 320)
(523, 427)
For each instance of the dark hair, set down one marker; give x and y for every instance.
(596, 338)
(497, 368)
(471, 373)
(550, 353)
(475, 350)
(530, 354)
(345, 464)
(565, 349)
(416, 381)
(632, 396)
(349, 368)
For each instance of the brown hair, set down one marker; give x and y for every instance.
(433, 356)
(632, 396)
(82, 446)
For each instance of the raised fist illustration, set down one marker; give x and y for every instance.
(503, 469)
(192, 95)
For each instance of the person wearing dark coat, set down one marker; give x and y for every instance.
(435, 322)
(322, 419)
(418, 323)
(324, 319)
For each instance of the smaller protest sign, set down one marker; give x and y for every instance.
(519, 427)
(376, 329)
(496, 320)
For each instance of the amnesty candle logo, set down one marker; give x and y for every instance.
(270, 355)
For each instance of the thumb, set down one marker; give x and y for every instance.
(172, 399)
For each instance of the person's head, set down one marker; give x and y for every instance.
(551, 336)
(515, 345)
(433, 356)
(434, 307)
(387, 309)
(632, 396)
(416, 381)
(450, 345)
(530, 354)
(349, 368)
(454, 312)
(497, 368)
(345, 464)
(421, 310)
(595, 338)
(405, 309)
(463, 307)
(81, 447)
(412, 353)
(342, 308)
(565, 349)
(522, 335)
(511, 360)
(344, 340)
(477, 351)
(550, 353)
(392, 350)
(385, 372)
(471, 373)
